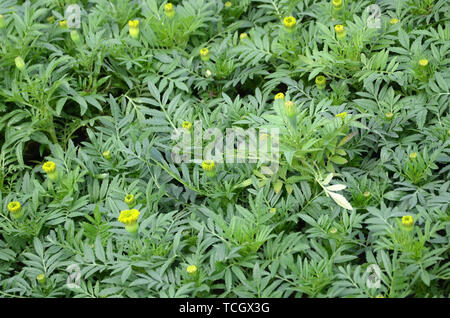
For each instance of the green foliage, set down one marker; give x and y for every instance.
(355, 156)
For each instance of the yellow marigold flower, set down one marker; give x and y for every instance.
(337, 3)
(289, 108)
(204, 54)
(341, 115)
(129, 200)
(228, 4)
(407, 221)
(15, 208)
(243, 36)
(389, 115)
(2, 21)
(191, 269)
(49, 167)
(423, 62)
(107, 154)
(20, 64)
(169, 10)
(279, 96)
(393, 21)
(187, 125)
(413, 155)
(63, 24)
(289, 22)
(340, 31)
(129, 219)
(134, 28)
(40, 278)
(320, 81)
(209, 167)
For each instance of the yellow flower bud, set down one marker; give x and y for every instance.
(243, 36)
(169, 10)
(187, 125)
(341, 115)
(333, 230)
(133, 26)
(191, 269)
(423, 63)
(337, 4)
(209, 167)
(413, 155)
(16, 209)
(389, 115)
(228, 4)
(366, 194)
(279, 96)
(107, 154)
(321, 82)
(204, 54)
(129, 219)
(289, 23)
(50, 169)
(63, 24)
(393, 21)
(41, 279)
(407, 222)
(129, 200)
(289, 108)
(340, 31)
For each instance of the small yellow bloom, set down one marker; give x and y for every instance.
(134, 28)
(49, 167)
(191, 269)
(333, 230)
(129, 219)
(341, 115)
(407, 220)
(169, 10)
(340, 31)
(107, 154)
(41, 278)
(228, 4)
(289, 108)
(243, 36)
(15, 208)
(289, 22)
(413, 155)
(389, 115)
(186, 125)
(273, 210)
(423, 62)
(20, 64)
(63, 24)
(279, 96)
(337, 3)
(204, 54)
(129, 200)
(393, 21)
(320, 81)
(209, 167)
